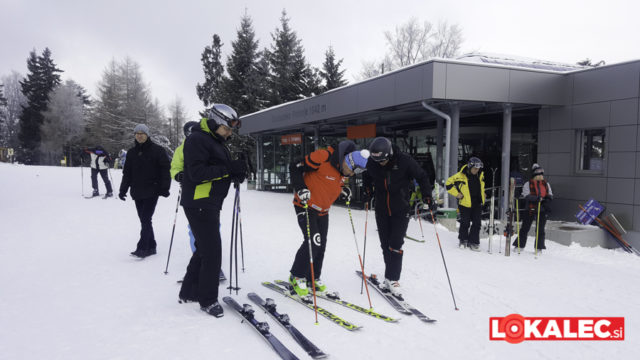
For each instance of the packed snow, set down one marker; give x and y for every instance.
(70, 290)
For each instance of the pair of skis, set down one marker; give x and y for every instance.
(397, 303)
(247, 313)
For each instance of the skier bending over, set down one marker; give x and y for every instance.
(318, 181)
(389, 177)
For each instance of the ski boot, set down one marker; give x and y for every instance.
(299, 285)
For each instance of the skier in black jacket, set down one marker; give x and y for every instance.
(389, 176)
(146, 172)
(208, 174)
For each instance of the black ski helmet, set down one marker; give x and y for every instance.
(380, 149)
(188, 127)
(221, 114)
(475, 162)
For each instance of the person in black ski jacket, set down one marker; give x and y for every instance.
(389, 177)
(208, 173)
(100, 161)
(537, 195)
(146, 172)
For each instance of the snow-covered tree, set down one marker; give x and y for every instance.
(64, 122)
(13, 109)
(331, 73)
(177, 119)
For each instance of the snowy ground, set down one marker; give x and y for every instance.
(70, 290)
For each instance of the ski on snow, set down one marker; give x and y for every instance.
(327, 314)
(398, 304)
(269, 306)
(333, 297)
(246, 312)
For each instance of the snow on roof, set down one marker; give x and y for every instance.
(518, 61)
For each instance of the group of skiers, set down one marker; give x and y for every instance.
(205, 169)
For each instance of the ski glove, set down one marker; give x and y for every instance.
(122, 196)
(164, 193)
(304, 195)
(345, 194)
(179, 176)
(238, 170)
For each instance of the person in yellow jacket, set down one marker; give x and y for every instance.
(467, 185)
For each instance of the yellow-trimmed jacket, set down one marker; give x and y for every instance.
(459, 183)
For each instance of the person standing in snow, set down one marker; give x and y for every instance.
(100, 161)
(146, 172)
(208, 173)
(318, 181)
(537, 194)
(467, 185)
(390, 175)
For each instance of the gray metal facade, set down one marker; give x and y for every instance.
(605, 97)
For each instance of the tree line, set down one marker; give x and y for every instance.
(44, 118)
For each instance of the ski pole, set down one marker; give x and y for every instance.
(355, 239)
(82, 174)
(241, 237)
(518, 224)
(537, 226)
(625, 245)
(419, 216)
(364, 251)
(313, 276)
(233, 226)
(237, 205)
(443, 260)
(173, 231)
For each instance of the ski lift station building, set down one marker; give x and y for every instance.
(581, 124)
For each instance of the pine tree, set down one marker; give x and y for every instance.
(241, 88)
(210, 92)
(331, 73)
(43, 77)
(3, 118)
(291, 77)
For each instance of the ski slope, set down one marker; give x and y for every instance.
(70, 290)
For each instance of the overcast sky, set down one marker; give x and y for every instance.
(166, 37)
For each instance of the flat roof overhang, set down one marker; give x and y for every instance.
(393, 100)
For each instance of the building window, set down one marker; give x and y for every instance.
(591, 152)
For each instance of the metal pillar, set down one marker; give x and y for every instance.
(316, 137)
(439, 134)
(506, 159)
(259, 163)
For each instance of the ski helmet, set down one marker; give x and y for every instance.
(221, 114)
(475, 162)
(380, 149)
(188, 127)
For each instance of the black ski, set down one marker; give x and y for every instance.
(327, 314)
(399, 304)
(334, 297)
(246, 312)
(283, 319)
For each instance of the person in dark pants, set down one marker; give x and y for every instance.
(536, 193)
(467, 185)
(100, 161)
(389, 177)
(146, 172)
(208, 174)
(319, 181)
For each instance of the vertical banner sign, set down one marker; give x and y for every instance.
(593, 209)
(291, 139)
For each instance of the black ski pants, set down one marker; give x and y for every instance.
(391, 230)
(528, 217)
(105, 177)
(470, 224)
(146, 208)
(203, 272)
(319, 226)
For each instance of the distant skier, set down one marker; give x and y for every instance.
(100, 161)
(467, 185)
(146, 172)
(318, 181)
(389, 177)
(208, 173)
(537, 194)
